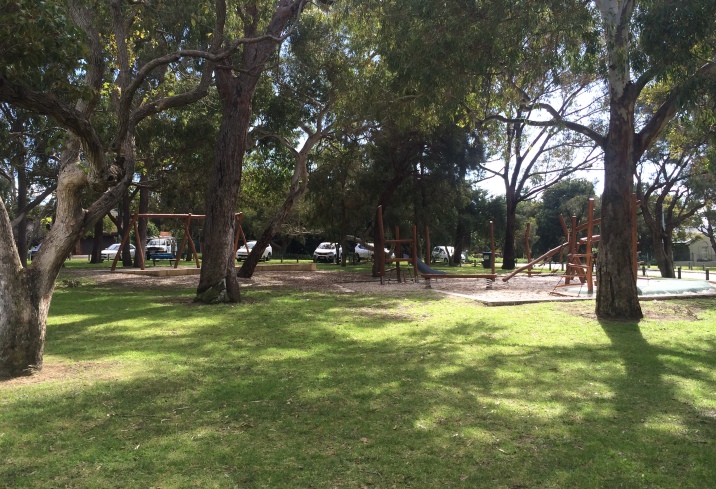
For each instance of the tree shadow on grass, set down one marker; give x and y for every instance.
(335, 397)
(652, 399)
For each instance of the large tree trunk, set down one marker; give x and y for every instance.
(660, 238)
(508, 248)
(25, 294)
(217, 282)
(21, 229)
(97, 242)
(710, 234)
(663, 252)
(461, 233)
(142, 223)
(617, 296)
(23, 312)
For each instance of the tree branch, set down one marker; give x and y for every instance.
(556, 122)
(668, 109)
(23, 212)
(72, 119)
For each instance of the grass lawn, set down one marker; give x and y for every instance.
(294, 389)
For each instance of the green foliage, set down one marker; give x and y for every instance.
(265, 178)
(568, 198)
(41, 45)
(674, 38)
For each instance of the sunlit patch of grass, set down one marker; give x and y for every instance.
(303, 390)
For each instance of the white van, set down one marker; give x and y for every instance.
(440, 254)
(158, 248)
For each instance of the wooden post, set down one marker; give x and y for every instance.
(566, 239)
(428, 251)
(239, 232)
(573, 248)
(193, 250)
(635, 265)
(183, 240)
(527, 247)
(381, 245)
(132, 225)
(590, 257)
(415, 253)
(398, 253)
(138, 248)
(492, 248)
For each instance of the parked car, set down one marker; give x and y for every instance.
(327, 252)
(110, 252)
(243, 252)
(161, 248)
(363, 253)
(440, 254)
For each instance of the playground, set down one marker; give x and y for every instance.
(521, 289)
(537, 281)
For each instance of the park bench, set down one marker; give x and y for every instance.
(162, 256)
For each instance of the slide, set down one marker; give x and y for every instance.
(423, 268)
(549, 254)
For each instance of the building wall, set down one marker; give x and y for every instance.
(700, 253)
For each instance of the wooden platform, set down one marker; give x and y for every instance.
(286, 267)
(460, 275)
(160, 271)
(175, 272)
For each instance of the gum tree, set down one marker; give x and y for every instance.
(673, 185)
(642, 43)
(74, 63)
(236, 80)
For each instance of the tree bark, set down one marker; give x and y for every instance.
(710, 234)
(126, 220)
(97, 242)
(24, 312)
(21, 229)
(508, 248)
(217, 282)
(663, 245)
(461, 232)
(617, 295)
(25, 294)
(142, 223)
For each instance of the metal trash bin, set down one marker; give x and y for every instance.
(486, 259)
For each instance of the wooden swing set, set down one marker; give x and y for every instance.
(187, 236)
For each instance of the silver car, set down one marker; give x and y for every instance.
(440, 254)
(243, 252)
(327, 252)
(110, 252)
(363, 253)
